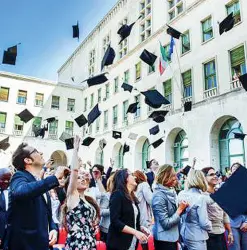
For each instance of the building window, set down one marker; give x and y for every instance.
(91, 100)
(231, 149)
(115, 115)
(106, 42)
(168, 90)
(91, 67)
(105, 119)
(126, 76)
(119, 157)
(39, 99)
(116, 81)
(22, 97)
(69, 127)
(55, 102)
(19, 124)
(37, 123)
(107, 91)
(175, 7)
(187, 83)
(181, 150)
(4, 94)
(146, 21)
(138, 111)
(207, 29)
(53, 126)
(234, 7)
(138, 71)
(97, 124)
(3, 117)
(123, 46)
(210, 75)
(85, 104)
(99, 95)
(71, 105)
(185, 42)
(238, 65)
(145, 154)
(151, 69)
(125, 115)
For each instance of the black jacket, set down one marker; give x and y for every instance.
(3, 220)
(121, 215)
(30, 215)
(150, 178)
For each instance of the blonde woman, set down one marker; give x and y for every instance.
(196, 224)
(166, 210)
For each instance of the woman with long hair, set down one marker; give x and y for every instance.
(80, 212)
(166, 209)
(124, 230)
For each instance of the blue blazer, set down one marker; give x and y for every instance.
(3, 221)
(30, 215)
(150, 178)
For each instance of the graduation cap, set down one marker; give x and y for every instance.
(157, 143)
(127, 87)
(126, 148)
(69, 143)
(95, 80)
(87, 141)
(76, 33)
(51, 119)
(233, 191)
(4, 144)
(155, 130)
(174, 33)
(64, 136)
(159, 116)
(227, 24)
(243, 80)
(81, 120)
(125, 30)
(187, 106)
(25, 116)
(108, 57)
(102, 143)
(132, 108)
(132, 136)
(9, 55)
(148, 57)
(93, 115)
(239, 136)
(185, 170)
(154, 99)
(116, 134)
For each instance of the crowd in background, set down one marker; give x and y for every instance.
(124, 207)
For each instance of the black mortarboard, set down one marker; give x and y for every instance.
(116, 134)
(154, 99)
(231, 196)
(81, 120)
(127, 87)
(95, 80)
(227, 24)
(187, 106)
(4, 144)
(64, 136)
(69, 143)
(93, 115)
(239, 136)
(157, 143)
(108, 57)
(126, 148)
(155, 130)
(51, 119)
(87, 141)
(185, 170)
(25, 116)
(148, 57)
(174, 33)
(243, 80)
(159, 116)
(76, 32)
(102, 143)
(9, 55)
(132, 108)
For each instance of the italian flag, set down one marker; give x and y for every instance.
(163, 60)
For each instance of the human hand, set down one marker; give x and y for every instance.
(77, 141)
(243, 227)
(145, 230)
(182, 206)
(230, 239)
(52, 237)
(60, 173)
(141, 236)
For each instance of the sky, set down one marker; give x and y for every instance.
(44, 29)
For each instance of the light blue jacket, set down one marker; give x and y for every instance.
(166, 220)
(104, 212)
(195, 221)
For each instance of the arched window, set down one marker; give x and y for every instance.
(181, 150)
(145, 154)
(231, 149)
(99, 157)
(120, 157)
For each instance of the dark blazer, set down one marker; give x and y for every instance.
(3, 221)
(150, 178)
(30, 215)
(121, 215)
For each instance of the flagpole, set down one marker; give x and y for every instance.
(179, 66)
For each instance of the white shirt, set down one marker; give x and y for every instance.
(6, 196)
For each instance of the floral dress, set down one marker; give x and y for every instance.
(81, 233)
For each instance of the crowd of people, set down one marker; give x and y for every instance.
(125, 208)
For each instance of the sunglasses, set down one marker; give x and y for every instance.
(211, 175)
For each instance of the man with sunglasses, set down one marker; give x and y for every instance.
(30, 224)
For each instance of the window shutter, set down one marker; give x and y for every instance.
(237, 56)
(2, 118)
(168, 87)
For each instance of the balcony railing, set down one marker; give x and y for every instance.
(167, 107)
(186, 99)
(18, 132)
(235, 84)
(52, 136)
(2, 130)
(210, 93)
